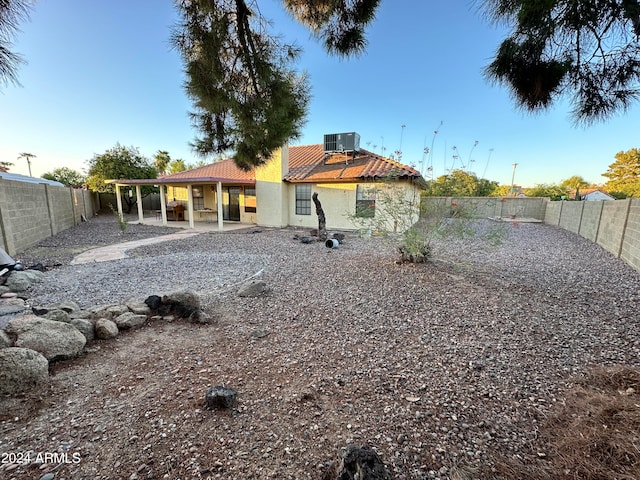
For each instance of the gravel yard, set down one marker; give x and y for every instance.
(439, 367)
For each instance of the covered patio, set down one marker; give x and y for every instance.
(210, 201)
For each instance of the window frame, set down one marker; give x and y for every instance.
(365, 201)
(247, 195)
(303, 199)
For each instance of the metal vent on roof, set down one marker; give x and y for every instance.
(341, 142)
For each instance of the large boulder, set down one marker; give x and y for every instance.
(21, 369)
(105, 329)
(57, 315)
(54, 340)
(21, 281)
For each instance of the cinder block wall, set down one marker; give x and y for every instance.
(571, 217)
(31, 212)
(484, 207)
(553, 212)
(631, 242)
(591, 212)
(612, 225)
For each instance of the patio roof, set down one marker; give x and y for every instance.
(307, 164)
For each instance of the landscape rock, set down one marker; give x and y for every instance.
(21, 281)
(4, 289)
(198, 316)
(57, 316)
(339, 236)
(362, 463)
(254, 288)
(105, 329)
(21, 369)
(85, 327)
(116, 310)
(5, 341)
(54, 340)
(220, 397)
(153, 302)
(181, 304)
(129, 320)
(139, 308)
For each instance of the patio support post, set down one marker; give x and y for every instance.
(139, 202)
(119, 200)
(190, 205)
(219, 206)
(163, 205)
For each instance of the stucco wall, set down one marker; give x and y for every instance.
(31, 212)
(272, 192)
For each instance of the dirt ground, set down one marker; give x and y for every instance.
(448, 370)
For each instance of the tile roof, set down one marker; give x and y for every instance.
(307, 164)
(310, 164)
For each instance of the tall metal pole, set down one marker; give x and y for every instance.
(513, 176)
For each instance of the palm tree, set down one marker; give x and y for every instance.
(12, 12)
(28, 156)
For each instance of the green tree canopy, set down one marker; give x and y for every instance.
(589, 48)
(459, 183)
(4, 166)
(66, 176)
(575, 183)
(116, 163)
(624, 174)
(553, 191)
(12, 12)
(177, 165)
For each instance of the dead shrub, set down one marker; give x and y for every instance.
(591, 434)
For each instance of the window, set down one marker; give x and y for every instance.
(365, 201)
(249, 199)
(198, 198)
(303, 199)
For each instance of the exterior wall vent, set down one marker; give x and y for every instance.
(341, 142)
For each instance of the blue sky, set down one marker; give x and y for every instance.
(99, 73)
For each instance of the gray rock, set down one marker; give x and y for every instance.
(7, 309)
(14, 301)
(5, 341)
(85, 327)
(57, 316)
(184, 298)
(105, 329)
(21, 369)
(129, 320)
(116, 310)
(220, 397)
(21, 281)
(54, 340)
(4, 289)
(68, 306)
(139, 308)
(253, 289)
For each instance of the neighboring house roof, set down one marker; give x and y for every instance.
(597, 195)
(26, 179)
(307, 164)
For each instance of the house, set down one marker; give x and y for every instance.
(595, 194)
(279, 193)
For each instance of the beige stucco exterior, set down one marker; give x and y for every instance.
(397, 206)
(271, 191)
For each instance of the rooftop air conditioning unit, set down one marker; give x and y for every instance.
(341, 142)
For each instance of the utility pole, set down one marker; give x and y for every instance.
(513, 176)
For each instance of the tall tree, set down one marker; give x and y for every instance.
(66, 176)
(27, 156)
(116, 163)
(247, 97)
(12, 12)
(177, 165)
(624, 174)
(459, 183)
(589, 48)
(161, 161)
(575, 183)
